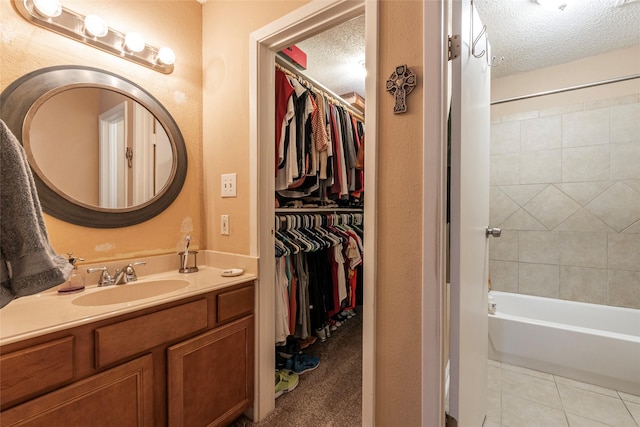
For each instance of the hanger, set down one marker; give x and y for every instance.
(303, 230)
(285, 239)
(320, 222)
(281, 248)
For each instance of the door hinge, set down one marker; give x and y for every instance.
(454, 46)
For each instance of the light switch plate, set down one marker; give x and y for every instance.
(228, 183)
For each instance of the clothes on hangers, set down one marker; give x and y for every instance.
(284, 110)
(317, 142)
(318, 265)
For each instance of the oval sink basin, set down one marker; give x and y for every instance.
(129, 292)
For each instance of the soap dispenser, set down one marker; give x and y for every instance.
(75, 282)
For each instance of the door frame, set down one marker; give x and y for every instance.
(436, 97)
(296, 26)
(112, 145)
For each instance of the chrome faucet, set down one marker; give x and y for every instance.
(130, 273)
(124, 275)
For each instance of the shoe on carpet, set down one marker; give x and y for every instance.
(308, 341)
(301, 363)
(281, 359)
(342, 316)
(286, 381)
(291, 346)
(320, 332)
(348, 313)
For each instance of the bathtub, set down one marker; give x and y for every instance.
(592, 343)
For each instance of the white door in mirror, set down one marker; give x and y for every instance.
(230, 272)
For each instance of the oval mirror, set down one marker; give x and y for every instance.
(104, 152)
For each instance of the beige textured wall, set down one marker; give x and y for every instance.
(399, 285)
(225, 62)
(227, 26)
(176, 23)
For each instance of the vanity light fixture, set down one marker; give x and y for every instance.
(92, 30)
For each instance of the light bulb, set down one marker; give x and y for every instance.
(134, 42)
(48, 8)
(359, 69)
(95, 26)
(166, 56)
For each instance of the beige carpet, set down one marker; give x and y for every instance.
(329, 396)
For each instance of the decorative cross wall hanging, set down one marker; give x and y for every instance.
(400, 84)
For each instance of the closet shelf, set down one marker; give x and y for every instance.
(318, 210)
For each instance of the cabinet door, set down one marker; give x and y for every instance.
(122, 396)
(210, 377)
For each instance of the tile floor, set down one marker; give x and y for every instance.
(520, 397)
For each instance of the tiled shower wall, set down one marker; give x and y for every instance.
(565, 189)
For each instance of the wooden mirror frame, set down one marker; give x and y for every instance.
(17, 100)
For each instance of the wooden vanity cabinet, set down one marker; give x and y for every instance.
(121, 396)
(208, 376)
(185, 363)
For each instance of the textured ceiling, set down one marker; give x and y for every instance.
(527, 35)
(333, 57)
(531, 37)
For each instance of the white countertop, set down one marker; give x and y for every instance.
(50, 311)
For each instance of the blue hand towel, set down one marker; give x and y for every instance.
(28, 262)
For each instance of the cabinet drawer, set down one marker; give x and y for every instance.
(36, 369)
(124, 339)
(233, 304)
(121, 396)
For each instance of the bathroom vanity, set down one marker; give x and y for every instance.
(181, 358)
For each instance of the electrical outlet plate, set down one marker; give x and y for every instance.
(228, 183)
(224, 225)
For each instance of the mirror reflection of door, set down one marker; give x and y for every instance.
(152, 158)
(112, 164)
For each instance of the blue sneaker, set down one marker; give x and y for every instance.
(301, 363)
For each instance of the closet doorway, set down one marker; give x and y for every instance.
(295, 27)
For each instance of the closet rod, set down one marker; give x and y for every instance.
(567, 89)
(287, 66)
(318, 210)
